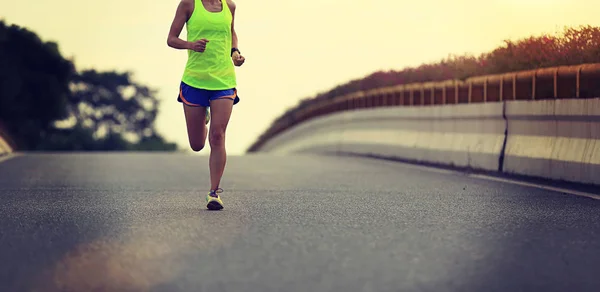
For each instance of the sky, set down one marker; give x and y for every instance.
(293, 49)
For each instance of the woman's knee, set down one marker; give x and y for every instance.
(217, 137)
(197, 146)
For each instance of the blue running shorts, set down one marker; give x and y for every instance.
(201, 97)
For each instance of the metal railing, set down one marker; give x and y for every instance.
(579, 81)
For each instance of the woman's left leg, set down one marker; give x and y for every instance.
(220, 113)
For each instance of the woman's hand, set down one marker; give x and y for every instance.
(199, 46)
(238, 59)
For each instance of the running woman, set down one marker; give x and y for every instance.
(209, 79)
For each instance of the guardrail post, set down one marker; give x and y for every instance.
(555, 79)
(501, 88)
(444, 94)
(577, 78)
(533, 79)
(401, 97)
(432, 97)
(485, 86)
(470, 92)
(514, 86)
(456, 92)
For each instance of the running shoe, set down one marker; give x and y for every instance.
(213, 200)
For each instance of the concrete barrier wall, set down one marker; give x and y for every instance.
(5, 147)
(556, 139)
(467, 135)
(319, 135)
(542, 122)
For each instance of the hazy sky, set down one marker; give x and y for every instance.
(293, 49)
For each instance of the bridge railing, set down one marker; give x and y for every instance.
(563, 82)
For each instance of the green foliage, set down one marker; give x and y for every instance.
(111, 103)
(104, 110)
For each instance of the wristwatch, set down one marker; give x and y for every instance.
(235, 50)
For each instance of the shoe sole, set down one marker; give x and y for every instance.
(214, 206)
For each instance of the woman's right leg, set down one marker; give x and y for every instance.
(195, 119)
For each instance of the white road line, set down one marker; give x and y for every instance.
(505, 180)
(431, 168)
(407, 164)
(548, 188)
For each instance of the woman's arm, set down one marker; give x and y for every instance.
(183, 13)
(238, 59)
(234, 39)
(181, 16)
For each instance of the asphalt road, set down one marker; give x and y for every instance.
(137, 222)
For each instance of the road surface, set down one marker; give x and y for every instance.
(136, 222)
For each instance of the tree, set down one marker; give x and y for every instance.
(108, 111)
(46, 105)
(110, 103)
(34, 85)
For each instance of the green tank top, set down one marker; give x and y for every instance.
(212, 69)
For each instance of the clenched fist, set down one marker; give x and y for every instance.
(199, 46)
(238, 59)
